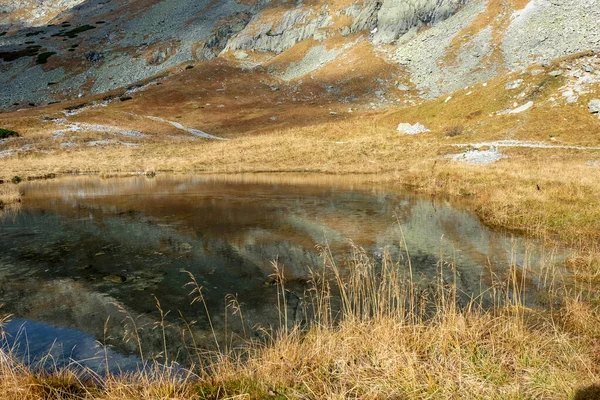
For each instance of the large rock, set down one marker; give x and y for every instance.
(395, 18)
(268, 35)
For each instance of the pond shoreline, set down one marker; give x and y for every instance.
(488, 214)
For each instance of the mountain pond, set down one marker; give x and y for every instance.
(85, 257)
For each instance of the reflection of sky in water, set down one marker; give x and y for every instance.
(80, 245)
(31, 340)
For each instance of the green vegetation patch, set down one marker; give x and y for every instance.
(73, 32)
(43, 58)
(6, 133)
(28, 51)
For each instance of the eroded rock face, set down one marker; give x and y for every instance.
(294, 26)
(395, 18)
(388, 20)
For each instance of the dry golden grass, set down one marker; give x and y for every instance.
(9, 194)
(545, 192)
(386, 338)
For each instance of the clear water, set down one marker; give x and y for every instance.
(83, 253)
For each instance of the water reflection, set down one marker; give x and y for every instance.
(50, 347)
(85, 251)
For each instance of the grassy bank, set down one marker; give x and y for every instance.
(550, 193)
(386, 338)
(9, 195)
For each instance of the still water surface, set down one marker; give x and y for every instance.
(84, 251)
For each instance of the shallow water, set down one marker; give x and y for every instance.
(84, 253)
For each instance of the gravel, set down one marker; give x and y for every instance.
(477, 157)
(195, 132)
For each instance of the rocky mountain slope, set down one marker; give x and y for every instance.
(61, 49)
(23, 13)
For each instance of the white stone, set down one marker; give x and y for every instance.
(240, 55)
(409, 129)
(594, 106)
(572, 99)
(523, 108)
(514, 84)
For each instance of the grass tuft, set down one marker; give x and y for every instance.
(9, 195)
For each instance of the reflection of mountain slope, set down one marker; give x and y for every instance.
(92, 242)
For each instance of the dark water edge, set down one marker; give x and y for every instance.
(85, 256)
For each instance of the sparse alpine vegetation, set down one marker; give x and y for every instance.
(6, 133)
(43, 57)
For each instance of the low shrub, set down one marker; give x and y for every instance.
(454, 130)
(6, 133)
(43, 57)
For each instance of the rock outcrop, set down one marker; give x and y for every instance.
(395, 18)
(100, 45)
